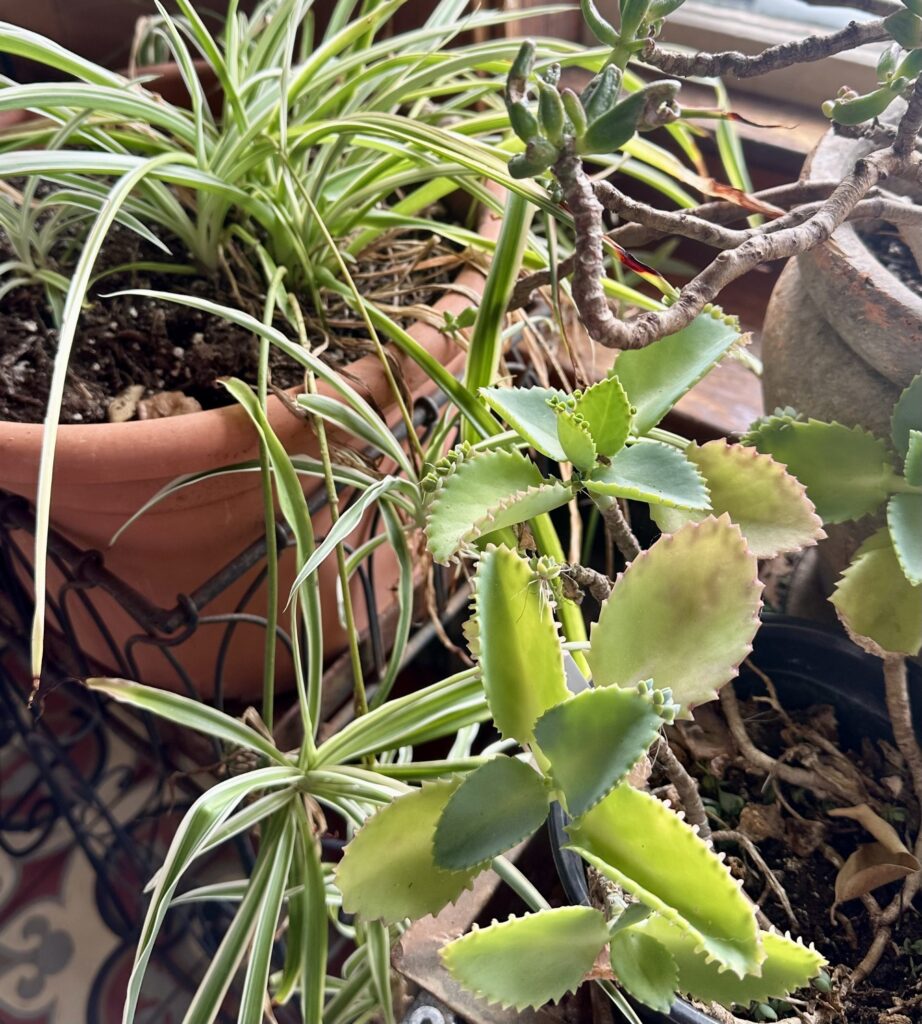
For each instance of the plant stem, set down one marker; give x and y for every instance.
(695, 814)
(617, 527)
(899, 708)
(516, 881)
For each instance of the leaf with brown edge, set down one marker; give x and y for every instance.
(879, 607)
(684, 614)
(870, 867)
(768, 504)
(388, 871)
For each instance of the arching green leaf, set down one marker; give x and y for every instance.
(388, 871)
(607, 410)
(513, 634)
(652, 472)
(484, 492)
(788, 965)
(846, 470)
(643, 846)
(593, 740)
(657, 376)
(904, 520)
(526, 410)
(527, 961)
(769, 505)
(912, 467)
(645, 968)
(494, 808)
(576, 439)
(880, 608)
(683, 614)
(907, 415)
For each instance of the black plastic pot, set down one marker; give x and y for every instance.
(809, 664)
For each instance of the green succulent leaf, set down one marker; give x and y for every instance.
(485, 492)
(769, 505)
(657, 376)
(846, 470)
(912, 467)
(601, 92)
(513, 634)
(904, 520)
(603, 30)
(593, 740)
(907, 415)
(527, 411)
(643, 846)
(653, 472)
(576, 439)
(788, 965)
(606, 409)
(388, 871)
(880, 608)
(527, 961)
(616, 126)
(494, 808)
(905, 27)
(683, 614)
(645, 968)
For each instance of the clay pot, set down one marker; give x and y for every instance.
(106, 472)
(842, 335)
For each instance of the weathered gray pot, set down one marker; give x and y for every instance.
(842, 335)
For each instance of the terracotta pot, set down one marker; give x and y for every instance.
(842, 335)
(105, 472)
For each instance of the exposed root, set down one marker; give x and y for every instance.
(731, 836)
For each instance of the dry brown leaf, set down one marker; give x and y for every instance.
(167, 403)
(870, 867)
(881, 830)
(125, 404)
(761, 821)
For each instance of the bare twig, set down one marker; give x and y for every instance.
(879, 8)
(899, 708)
(732, 836)
(685, 785)
(618, 529)
(595, 583)
(784, 55)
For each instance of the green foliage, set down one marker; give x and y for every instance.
(576, 439)
(880, 608)
(904, 520)
(494, 808)
(847, 471)
(905, 27)
(513, 635)
(912, 467)
(529, 413)
(645, 968)
(907, 415)
(594, 739)
(768, 504)
(683, 614)
(788, 965)
(476, 493)
(652, 472)
(529, 960)
(388, 871)
(640, 844)
(606, 409)
(657, 376)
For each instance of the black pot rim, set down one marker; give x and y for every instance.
(570, 867)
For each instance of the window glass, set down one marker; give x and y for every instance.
(794, 10)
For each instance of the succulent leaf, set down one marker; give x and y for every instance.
(603, 30)
(879, 607)
(607, 411)
(904, 520)
(905, 27)
(653, 472)
(601, 92)
(788, 965)
(527, 411)
(527, 961)
(657, 376)
(912, 466)
(615, 126)
(768, 504)
(683, 614)
(494, 808)
(388, 871)
(846, 470)
(643, 846)
(514, 636)
(551, 112)
(576, 439)
(645, 968)
(907, 415)
(593, 740)
(484, 492)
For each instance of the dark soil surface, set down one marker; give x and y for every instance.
(132, 342)
(890, 250)
(799, 841)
